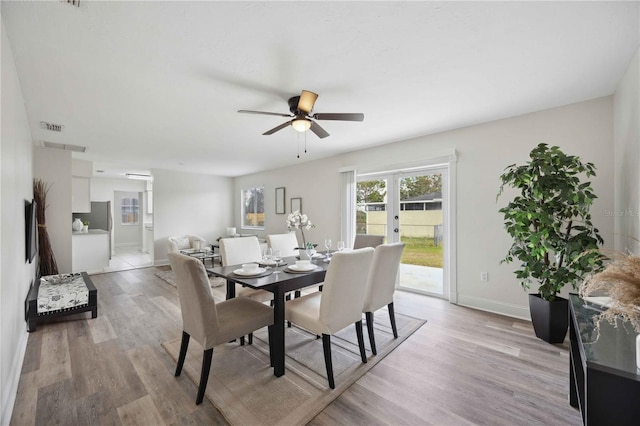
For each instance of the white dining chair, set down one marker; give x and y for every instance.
(367, 240)
(381, 286)
(236, 251)
(286, 243)
(338, 305)
(210, 323)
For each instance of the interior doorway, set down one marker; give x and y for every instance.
(409, 206)
(130, 219)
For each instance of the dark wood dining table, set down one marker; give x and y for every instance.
(279, 284)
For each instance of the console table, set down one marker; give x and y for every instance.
(604, 381)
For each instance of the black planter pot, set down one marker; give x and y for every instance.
(550, 319)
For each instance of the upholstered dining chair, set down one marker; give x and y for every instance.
(366, 240)
(235, 251)
(210, 323)
(338, 305)
(381, 286)
(286, 243)
(182, 242)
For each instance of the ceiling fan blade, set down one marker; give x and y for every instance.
(307, 100)
(339, 116)
(275, 129)
(319, 131)
(246, 111)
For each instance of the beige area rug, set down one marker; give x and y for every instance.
(242, 385)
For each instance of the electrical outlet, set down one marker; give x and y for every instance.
(484, 276)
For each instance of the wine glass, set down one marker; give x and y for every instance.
(277, 258)
(267, 257)
(340, 245)
(327, 245)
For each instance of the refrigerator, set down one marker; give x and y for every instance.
(99, 218)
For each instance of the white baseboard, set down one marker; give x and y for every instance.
(11, 389)
(508, 309)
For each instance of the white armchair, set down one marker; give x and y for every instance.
(183, 242)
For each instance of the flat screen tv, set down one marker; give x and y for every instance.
(31, 230)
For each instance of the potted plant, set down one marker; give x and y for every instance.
(297, 220)
(553, 236)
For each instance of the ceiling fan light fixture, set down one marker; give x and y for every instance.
(301, 124)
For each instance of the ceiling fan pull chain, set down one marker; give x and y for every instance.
(305, 142)
(298, 139)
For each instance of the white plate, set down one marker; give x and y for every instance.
(311, 267)
(249, 274)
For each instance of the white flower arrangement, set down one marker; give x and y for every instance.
(296, 220)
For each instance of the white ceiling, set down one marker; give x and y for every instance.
(157, 84)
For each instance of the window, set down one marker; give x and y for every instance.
(129, 211)
(253, 208)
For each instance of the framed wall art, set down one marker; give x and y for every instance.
(296, 204)
(280, 209)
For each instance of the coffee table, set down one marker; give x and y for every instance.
(203, 254)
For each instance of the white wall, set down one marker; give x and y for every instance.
(483, 151)
(626, 132)
(189, 203)
(53, 166)
(102, 188)
(16, 181)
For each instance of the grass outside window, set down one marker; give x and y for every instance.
(422, 251)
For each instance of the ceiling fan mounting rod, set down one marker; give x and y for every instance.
(293, 106)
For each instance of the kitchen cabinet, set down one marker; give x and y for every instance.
(90, 251)
(80, 195)
(81, 172)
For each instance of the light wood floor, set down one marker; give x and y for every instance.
(463, 367)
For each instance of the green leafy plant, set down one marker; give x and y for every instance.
(553, 236)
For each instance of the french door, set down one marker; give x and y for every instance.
(409, 206)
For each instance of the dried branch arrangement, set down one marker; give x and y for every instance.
(48, 265)
(621, 282)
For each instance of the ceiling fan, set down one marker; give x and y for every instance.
(300, 107)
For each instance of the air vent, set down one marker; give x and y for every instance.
(75, 3)
(66, 147)
(51, 126)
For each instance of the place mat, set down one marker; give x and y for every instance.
(242, 385)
